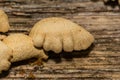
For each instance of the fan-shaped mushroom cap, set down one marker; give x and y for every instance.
(23, 47)
(58, 33)
(5, 56)
(4, 23)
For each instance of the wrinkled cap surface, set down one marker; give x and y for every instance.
(22, 47)
(57, 34)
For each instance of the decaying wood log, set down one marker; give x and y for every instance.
(100, 61)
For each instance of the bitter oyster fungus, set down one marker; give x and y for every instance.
(55, 34)
(5, 56)
(4, 23)
(23, 48)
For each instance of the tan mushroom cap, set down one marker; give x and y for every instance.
(5, 56)
(58, 33)
(23, 47)
(119, 2)
(4, 23)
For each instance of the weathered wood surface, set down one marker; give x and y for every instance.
(100, 61)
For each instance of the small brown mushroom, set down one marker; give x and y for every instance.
(58, 33)
(23, 47)
(5, 56)
(4, 23)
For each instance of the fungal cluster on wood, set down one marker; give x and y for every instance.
(50, 34)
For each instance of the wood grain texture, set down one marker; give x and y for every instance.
(100, 62)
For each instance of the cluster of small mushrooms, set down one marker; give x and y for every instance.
(50, 34)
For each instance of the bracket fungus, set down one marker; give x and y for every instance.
(5, 56)
(57, 33)
(23, 48)
(4, 23)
